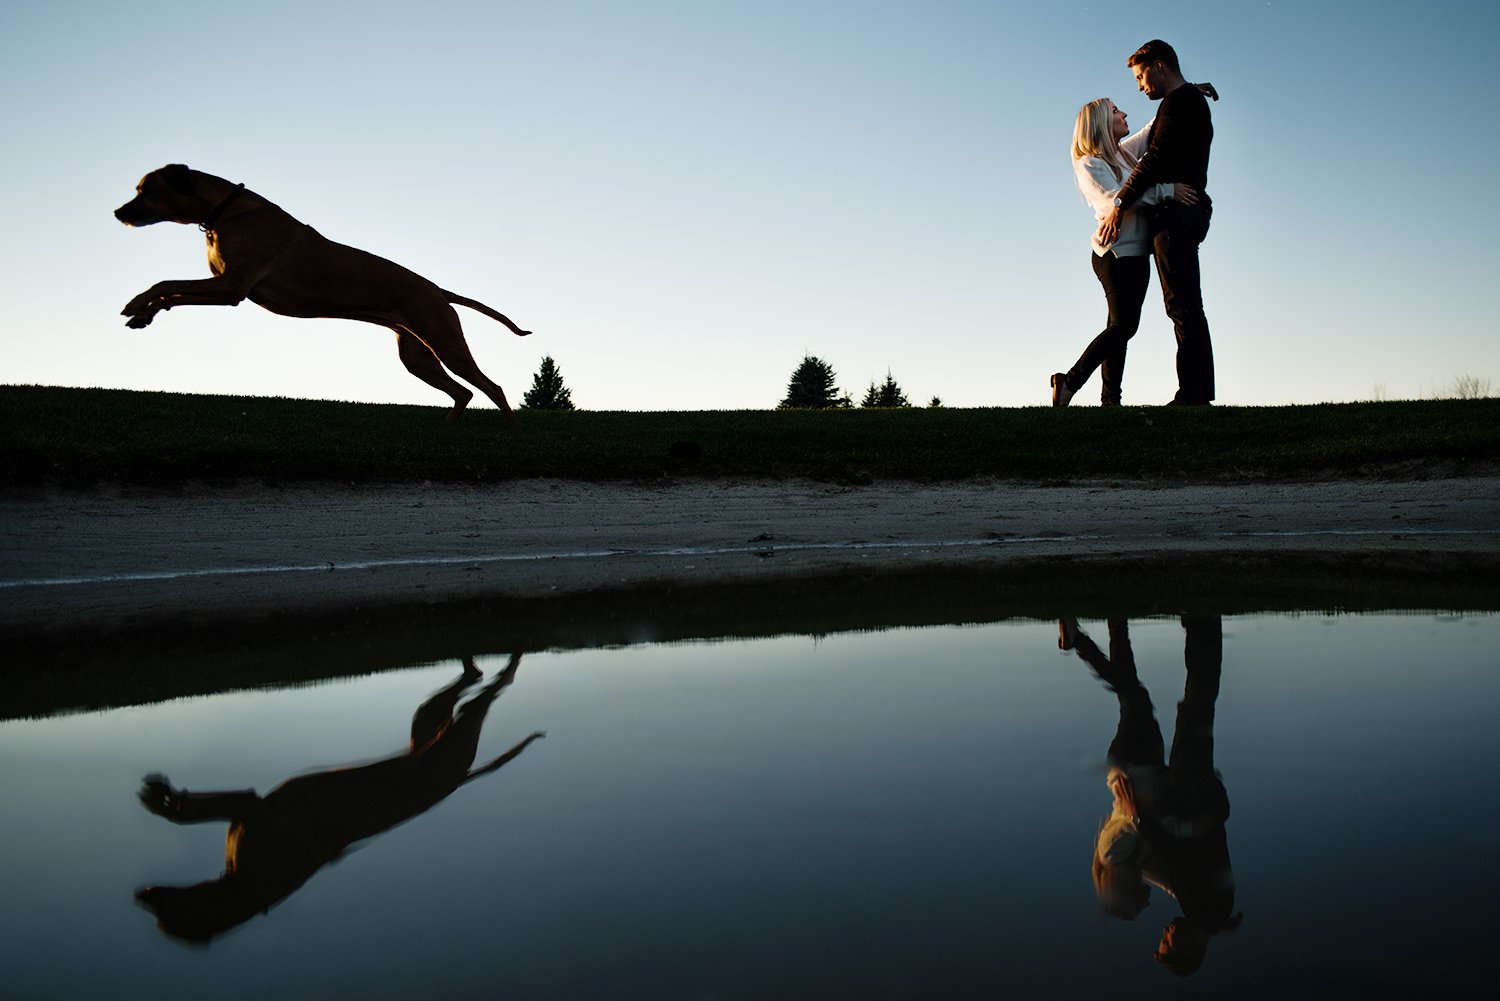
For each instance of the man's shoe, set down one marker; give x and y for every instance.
(1061, 394)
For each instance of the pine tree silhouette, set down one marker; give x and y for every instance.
(887, 394)
(547, 391)
(812, 388)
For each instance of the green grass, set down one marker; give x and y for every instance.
(76, 438)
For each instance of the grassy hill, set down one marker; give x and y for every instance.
(77, 438)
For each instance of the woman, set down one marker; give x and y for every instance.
(1102, 160)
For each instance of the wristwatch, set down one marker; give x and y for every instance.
(1118, 203)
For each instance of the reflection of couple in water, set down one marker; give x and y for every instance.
(1166, 825)
(278, 841)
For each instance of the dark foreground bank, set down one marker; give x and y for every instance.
(88, 668)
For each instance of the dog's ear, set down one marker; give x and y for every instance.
(177, 177)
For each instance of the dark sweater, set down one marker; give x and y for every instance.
(1178, 145)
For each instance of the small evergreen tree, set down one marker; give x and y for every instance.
(937, 401)
(812, 388)
(887, 395)
(547, 391)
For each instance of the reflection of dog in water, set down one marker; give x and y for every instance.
(277, 841)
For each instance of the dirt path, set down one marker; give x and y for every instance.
(126, 557)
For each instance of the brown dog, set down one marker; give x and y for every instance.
(259, 252)
(278, 841)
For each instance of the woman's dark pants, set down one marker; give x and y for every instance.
(1125, 280)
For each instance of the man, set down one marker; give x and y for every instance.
(1177, 153)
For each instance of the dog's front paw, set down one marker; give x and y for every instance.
(157, 795)
(140, 304)
(140, 311)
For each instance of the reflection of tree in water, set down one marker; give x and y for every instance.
(1166, 825)
(276, 842)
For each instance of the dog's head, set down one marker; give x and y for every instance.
(201, 912)
(165, 195)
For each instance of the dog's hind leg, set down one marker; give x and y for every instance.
(437, 712)
(440, 330)
(422, 363)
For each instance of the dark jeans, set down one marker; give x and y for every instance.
(1176, 231)
(1138, 737)
(1195, 789)
(1125, 280)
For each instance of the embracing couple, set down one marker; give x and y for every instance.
(1148, 192)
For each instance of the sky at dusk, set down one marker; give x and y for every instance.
(683, 199)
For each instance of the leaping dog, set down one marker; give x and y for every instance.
(259, 252)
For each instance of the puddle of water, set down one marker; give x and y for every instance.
(911, 812)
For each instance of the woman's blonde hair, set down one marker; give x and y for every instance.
(1093, 135)
(1118, 880)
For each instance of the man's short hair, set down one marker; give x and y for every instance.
(1151, 52)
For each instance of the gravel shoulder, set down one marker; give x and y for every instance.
(120, 557)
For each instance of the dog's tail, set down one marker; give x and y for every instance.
(494, 314)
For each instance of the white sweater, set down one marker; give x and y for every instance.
(1099, 186)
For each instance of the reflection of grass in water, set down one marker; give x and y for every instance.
(87, 670)
(76, 437)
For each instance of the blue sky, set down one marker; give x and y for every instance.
(681, 199)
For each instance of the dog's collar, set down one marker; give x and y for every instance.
(218, 210)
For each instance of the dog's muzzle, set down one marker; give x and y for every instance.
(135, 213)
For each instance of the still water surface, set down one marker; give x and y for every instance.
(909, 813)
